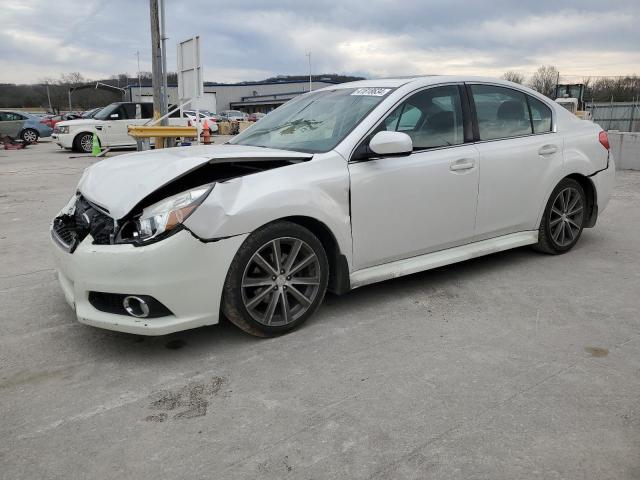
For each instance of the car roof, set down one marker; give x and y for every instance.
(421, 80)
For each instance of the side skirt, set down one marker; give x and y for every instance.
(428, 261)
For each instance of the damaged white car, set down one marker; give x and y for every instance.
(348, 185)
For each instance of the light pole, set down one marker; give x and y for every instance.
(309, 57)
(139, 87)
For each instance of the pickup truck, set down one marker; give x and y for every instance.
(110, 124)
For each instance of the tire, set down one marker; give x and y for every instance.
(264, 302)
(563, 219)
(29, 135)
(83, 142)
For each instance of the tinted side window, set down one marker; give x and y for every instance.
(540, 115)
(127, 111)
(432, 118)
(3, 117)
(146, 110)
(502, 112)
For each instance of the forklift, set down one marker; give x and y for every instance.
(571, 97)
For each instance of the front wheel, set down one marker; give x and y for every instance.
(83, 143)
(276, 281)
(563, 218)
(29, 135)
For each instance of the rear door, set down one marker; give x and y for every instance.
(116, 125)
(519, 154)
(11, 124)
(404, 206)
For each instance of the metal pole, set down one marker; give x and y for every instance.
(610, 113)
(139, 86)
(196, 88)
(163, 39)
(69, 100)
(156, 66)
(49, 98)
(309, 55)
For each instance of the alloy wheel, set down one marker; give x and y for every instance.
(281, 281)
(86, 142)
(566, 216)
(30, 136)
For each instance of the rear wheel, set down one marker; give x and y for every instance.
(276, 281)
(563, 218)
(83, 142)
(29, 135)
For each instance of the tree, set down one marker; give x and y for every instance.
(514, 77)
(545, 80)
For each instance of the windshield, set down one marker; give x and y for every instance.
(314, 122)
(105, 112)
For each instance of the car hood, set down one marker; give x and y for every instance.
(80, 122)
(118, 184)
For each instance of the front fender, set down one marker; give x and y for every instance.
(318, 189)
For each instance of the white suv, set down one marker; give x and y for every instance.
(110, 124)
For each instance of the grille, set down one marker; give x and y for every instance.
(86, 219)
(112, 303)
(65, 232)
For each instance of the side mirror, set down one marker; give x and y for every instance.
(114, 115)
(391, 143)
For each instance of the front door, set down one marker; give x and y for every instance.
(426, 201)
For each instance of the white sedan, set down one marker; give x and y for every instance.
(339, 188)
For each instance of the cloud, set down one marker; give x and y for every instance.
(253, 39)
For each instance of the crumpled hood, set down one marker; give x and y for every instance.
(118, 184)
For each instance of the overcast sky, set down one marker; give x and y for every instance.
(255, 39)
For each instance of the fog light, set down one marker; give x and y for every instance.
(135, 306)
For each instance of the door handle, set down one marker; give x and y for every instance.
(462, 164)
(548, 150)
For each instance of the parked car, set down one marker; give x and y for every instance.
(52, 120)
(109, 124)
(339, 188)
(233, 115)
(22, 125)
(204, 115)
(254, 117)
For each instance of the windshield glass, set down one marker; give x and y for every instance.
(314, 122)
(105, 112)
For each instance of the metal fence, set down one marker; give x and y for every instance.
(622, 116)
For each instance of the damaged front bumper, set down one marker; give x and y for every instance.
(181, 272)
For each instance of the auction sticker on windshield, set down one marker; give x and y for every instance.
(371, 91)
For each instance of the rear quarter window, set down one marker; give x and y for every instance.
(540, 115)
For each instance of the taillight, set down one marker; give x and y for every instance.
(604, 139)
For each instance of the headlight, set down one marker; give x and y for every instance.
(169, 213)
(62, 129)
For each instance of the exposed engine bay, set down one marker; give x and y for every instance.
(86, 218)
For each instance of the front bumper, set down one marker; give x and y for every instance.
(182, 272)
(64, 140)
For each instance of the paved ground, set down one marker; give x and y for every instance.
(513, 366)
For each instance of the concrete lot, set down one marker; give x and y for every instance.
(513, 366)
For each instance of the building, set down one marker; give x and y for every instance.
(258, 96)
(247, 97)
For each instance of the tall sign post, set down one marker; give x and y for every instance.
(190, 86)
